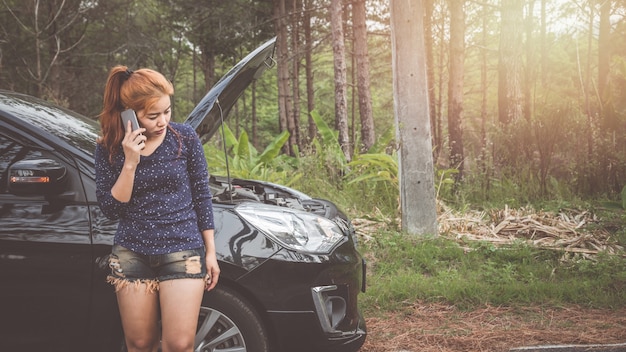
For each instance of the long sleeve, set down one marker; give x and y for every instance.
(106, 176)
(199, 182)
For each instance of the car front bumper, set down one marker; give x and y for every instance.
(311, 302)
(300, 331)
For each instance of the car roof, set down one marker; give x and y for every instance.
(63, 128)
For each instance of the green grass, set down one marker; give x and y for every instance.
(406, 269)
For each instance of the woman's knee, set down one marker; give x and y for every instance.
(147, 344)
(177, 344)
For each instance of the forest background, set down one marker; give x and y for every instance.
(527, 104)
(527, 97)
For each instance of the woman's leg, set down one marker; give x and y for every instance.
(180, 306)
(139, 310)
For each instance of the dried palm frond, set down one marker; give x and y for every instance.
(564, 231)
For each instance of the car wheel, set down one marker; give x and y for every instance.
(229, 322)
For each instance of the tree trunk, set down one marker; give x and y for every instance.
(484, 67)
(255, 134)
(455, 85)
(544, 44)
(194, 69)
(530, 62)
(282, 63)
(612, 127)
(293, 121)
(308, 62)
(604, 48)
(208, 67)
(604, 62)
(593, 179)
(509, 66)
(341, 101)
(368, 135)
(417, 188)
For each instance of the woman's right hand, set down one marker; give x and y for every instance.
(133, 143)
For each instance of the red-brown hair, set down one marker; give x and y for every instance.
(126, 89)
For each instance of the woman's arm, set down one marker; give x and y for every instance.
(213, 269)
(132, 144)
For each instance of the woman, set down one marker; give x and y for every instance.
(155, 181)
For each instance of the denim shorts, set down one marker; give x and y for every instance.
(127, 265)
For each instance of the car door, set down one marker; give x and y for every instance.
(45, 252)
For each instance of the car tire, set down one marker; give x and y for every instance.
(227, 320)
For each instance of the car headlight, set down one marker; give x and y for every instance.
(294, 229)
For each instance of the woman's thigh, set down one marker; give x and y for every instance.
(180, 306)
(139, 312)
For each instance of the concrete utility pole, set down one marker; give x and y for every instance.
(417, 187)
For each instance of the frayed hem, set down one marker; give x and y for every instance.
(184, 276)
(152, 286)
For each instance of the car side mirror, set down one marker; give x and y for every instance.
(36, 177)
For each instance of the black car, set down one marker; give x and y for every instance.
(291, 273)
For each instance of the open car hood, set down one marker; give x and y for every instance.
(205, 117)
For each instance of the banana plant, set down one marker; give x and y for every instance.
(327, 141)
(377, 167)
(244, 161)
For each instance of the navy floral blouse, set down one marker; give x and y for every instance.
(171, 201)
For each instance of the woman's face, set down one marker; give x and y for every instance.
(156, 118)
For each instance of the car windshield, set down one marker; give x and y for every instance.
(77, 130)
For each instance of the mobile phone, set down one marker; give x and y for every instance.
(129, 115)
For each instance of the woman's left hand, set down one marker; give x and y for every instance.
(213, 271)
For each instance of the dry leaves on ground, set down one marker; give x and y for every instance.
(442, 328)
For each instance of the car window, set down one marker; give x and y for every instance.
(10, 152)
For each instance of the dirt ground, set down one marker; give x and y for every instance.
(441, 328)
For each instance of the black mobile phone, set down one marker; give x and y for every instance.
(129, 115)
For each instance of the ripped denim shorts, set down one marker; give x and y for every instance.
(130, 267)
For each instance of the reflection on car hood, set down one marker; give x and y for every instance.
(205, 117)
